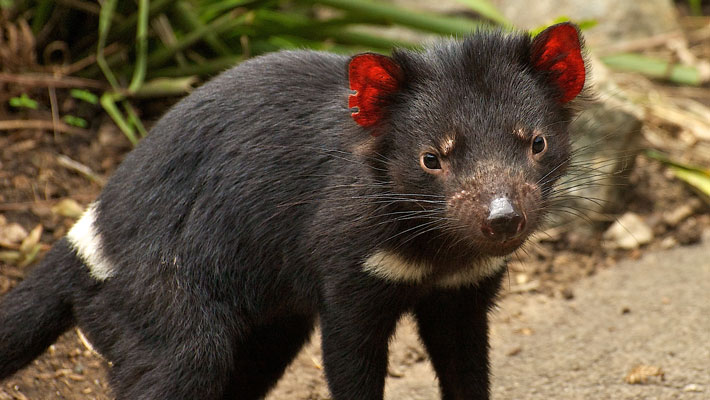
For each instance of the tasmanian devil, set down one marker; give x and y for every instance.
(303, 186)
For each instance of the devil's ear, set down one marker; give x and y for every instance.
(558, 51)
(374, 78)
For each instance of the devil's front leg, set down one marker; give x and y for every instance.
(358, 314)
(453, 324)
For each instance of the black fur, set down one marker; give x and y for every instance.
(249, 210)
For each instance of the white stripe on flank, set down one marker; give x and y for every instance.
(84, 238)
(392, 267)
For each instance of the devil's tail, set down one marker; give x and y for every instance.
(39, 309)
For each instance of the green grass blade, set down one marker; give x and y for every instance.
(214, 10)
(696, 176)
(279, 24)
(697, 179)
(141, 46)
(696, 7)
(225, 22)
(487, 10)
(186, 13)
(351, 37)
(107, 9)
(42, 12)
(129, 25)
(210, 67)
(583, 24)
(654, 68)
(426, 22)
(108, 102)
(133, 118)
(657, 155)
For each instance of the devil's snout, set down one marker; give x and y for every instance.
(504, 220)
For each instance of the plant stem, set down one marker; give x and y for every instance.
(225, 22)
(141, 47)
(189, 18)
(212, 66)
(104, 25)
(394, 14)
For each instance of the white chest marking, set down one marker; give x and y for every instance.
(392, 267)
(85, 239)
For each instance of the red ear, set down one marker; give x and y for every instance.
(373, 77)
(557, 50)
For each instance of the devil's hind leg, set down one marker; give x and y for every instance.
(263, 357)
(191, 359)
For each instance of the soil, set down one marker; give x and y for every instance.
(35, 178)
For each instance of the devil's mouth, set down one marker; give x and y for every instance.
(501, 247)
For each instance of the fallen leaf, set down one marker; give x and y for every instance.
(32, 240)
(68, 208)
(525, 331)
(641, 373)
(10, 257)
(31, 255)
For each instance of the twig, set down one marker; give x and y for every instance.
(15, 124)
(161, 26)
(89, 60)
(73, 165)
(525, 287)
(54, 108)
(45, 80)
(87, 344)
(234, 20)
(26, 205)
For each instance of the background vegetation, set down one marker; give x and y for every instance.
(113, 52)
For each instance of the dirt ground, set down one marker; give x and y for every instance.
(40, 170)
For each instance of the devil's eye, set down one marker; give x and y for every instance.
(430, 161)
(538, 144)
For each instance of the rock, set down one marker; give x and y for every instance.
(675, 217)
(689, 232)
(669, 242)
(613, 17)
(12, 234)
(693, 387)
(606, 139)
(628, 232)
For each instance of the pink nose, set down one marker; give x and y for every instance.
(504, 221)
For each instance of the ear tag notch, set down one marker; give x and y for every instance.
(374, 78)
(558, 50)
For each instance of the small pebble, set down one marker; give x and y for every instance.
(628, 232)
(693, 387)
